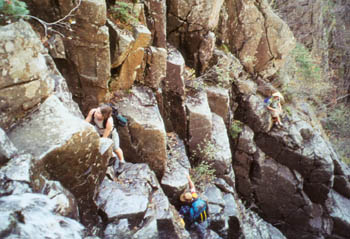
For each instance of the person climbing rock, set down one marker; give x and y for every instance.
(275, 107)
(194, 211)
(101, 118)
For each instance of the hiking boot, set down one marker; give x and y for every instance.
(121, 167)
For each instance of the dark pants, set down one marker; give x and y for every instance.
(200, 229)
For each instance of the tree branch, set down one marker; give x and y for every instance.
(60, 22)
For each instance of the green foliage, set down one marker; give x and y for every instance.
(205, 154)
(224, 79)
(338, 120)
(12, 9)
(307, 66)
(124, 12)
(224, 48)
(236, 128)
(306, 82)
(202, 174)
(337, 126)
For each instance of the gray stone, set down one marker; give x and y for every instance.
(148, 231)
(230, 206)
(65, 202)
(339, 210)
(341, 178)
(174, 180)
(144, 141)
(261, 38)
(213, 195)
(156, 72)
(175, 69)
(25, 215)
(219, 101)
(19, 168)
(222, 157)
(7, 149)
(92, 11)
(121, 44)
(16, 175)
(119, 230)
(258, 117)
(57, 139)
(24, 80)
(199, 122)
(156, 21)
(246, 141)
(120, 202)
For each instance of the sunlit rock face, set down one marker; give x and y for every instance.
(32, 216)
(24, 80)
(29, 75)
(174, 181)
(136, 207)
(65, 146)
(259, 37)
(190, 25)
(7, 149)
(144, 140)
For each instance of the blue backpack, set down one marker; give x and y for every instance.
(198, 211)
(267, 100)
(118, 119)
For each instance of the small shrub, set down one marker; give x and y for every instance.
(224, 48)
(236, 128)
(202, 174)
(12, 9)
(224, 79)
(123, 12)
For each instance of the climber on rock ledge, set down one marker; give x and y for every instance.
(194, 211)
(275, 108)
(101, 118)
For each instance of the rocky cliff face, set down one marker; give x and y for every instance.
(322, 26)
(186, 101)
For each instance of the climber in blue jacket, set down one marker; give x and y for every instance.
(194, 211)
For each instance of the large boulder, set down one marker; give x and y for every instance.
(174, 112)
(87, 64)
(341, 178)
(136, 201)
(16, 177)
(156, 59)
(252, 110)
(121, 42)
(219, 101)
(338, 208)
(32, 215)
(174, 181)
(260, 38)
(65, 202)
(156, 21)
(222, 158)
(68, 148)
(134, 59)
(203, 14)
(25, 79)
(144, 140)
(199, 122)
(7, 149)
(302, 148)
(297, 215)
(189, 28)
